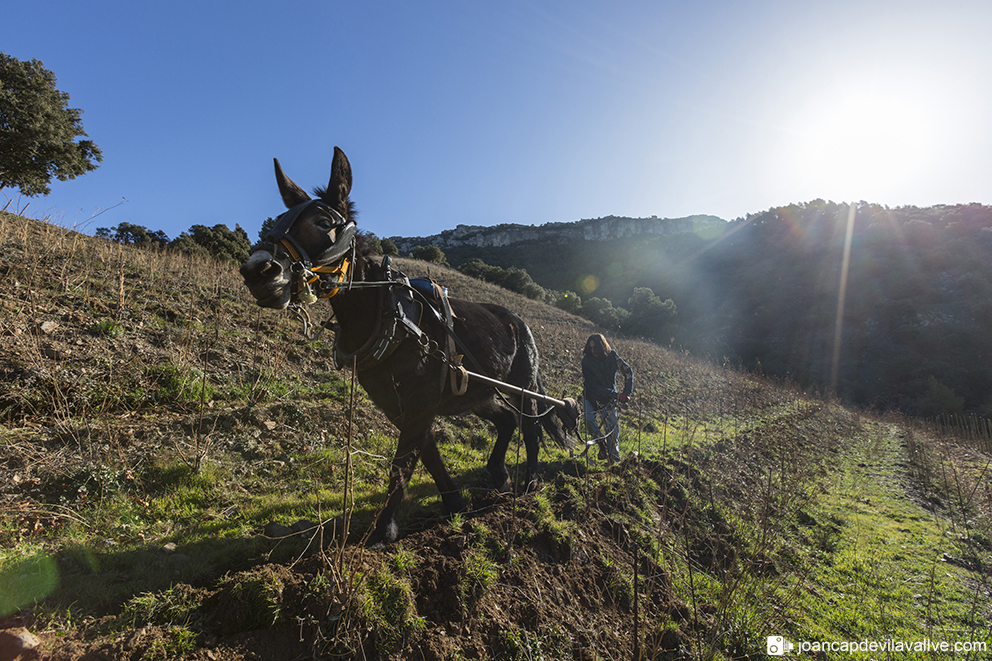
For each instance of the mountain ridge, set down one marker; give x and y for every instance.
(589, 229)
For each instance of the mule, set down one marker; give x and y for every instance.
(403, 342)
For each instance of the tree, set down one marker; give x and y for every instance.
(38, 130)
(267, 226)
(601, 312)
(613, 318)
(519, 280)
(941, 400)
(431, 254)
(514, 278)
(133, 235)
(650, 317)
(219, 241)
(568, 301)
(593, 307)
(478, 269)
(369, 243)
(389, 248)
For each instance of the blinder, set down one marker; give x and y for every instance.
(279, 236)
(340, 248)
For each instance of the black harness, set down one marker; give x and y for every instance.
(402, 302)
(399, 316)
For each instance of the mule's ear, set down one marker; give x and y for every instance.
(291, 193)
(339, 185)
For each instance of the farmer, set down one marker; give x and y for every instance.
(600, 364)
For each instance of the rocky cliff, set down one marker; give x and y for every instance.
(597, 229)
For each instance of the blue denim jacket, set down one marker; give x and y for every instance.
(599, 376)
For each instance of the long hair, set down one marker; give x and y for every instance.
(597, 346)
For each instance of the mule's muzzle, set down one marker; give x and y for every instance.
(267, 278)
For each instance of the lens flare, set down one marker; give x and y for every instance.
(587, 284)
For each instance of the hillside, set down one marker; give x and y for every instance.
(765, 295)
(169, 449)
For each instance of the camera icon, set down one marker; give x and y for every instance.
(778, 646)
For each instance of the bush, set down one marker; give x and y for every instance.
(369, 243)
(650, 317)
(389, 248)
(942, 400)
(514, 278)
(133, 235)
(601, 312)
(431, 254)
(568, 301)
(219, 241)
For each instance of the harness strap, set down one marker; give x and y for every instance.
(329, 287)
(458, 373)
(459, 378)
(393, 325)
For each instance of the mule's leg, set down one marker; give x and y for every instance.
(450, 493)
(505, 421)
(532, 441)
(387, 529)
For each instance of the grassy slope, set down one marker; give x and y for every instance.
(154, 421)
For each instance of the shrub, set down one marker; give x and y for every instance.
(650, 317)
(568, 301)
(389, 248)
(219, 241)
(106, 328)
(431, 254)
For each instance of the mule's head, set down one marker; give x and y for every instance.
(313, 232)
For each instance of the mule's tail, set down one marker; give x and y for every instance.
(559, 424)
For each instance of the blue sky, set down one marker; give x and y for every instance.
(525, 112)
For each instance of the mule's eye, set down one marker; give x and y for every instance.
(325, 223)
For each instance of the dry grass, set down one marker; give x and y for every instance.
(145, 401)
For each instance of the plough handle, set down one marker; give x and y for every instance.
(509, 389)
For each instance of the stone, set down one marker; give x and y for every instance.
(15, 642)
(276, 531)
(305, 527)
(46, 327)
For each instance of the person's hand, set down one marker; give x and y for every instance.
(623, 398)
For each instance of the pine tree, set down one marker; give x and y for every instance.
(38, 130)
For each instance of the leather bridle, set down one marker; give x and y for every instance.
(329, 270)
(397, 318)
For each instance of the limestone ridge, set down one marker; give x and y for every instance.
(596, 229)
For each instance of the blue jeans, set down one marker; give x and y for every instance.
(607, 420)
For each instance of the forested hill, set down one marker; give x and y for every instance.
(916, 333)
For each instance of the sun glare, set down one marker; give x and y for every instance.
(860, 145)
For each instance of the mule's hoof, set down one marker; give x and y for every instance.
(454, 503)
(504, 487)
(456, 509)
(382, 536)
